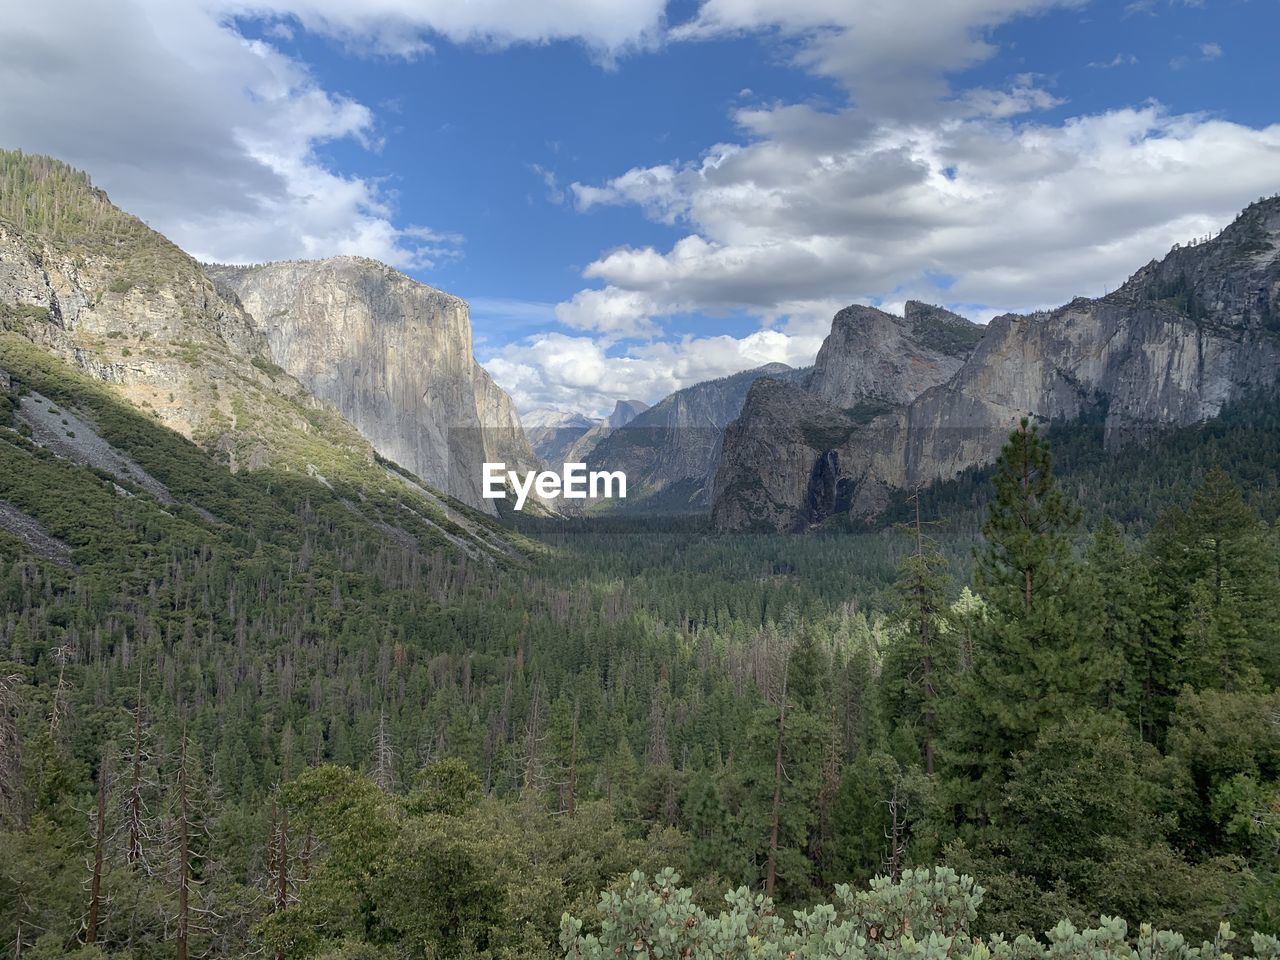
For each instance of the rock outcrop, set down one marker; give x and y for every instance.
(394, 356)
(99, 289)
(874, 357)
(624, 411)
(1181, 338)
(670, 451)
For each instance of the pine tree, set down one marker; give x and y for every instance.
(922, 660)
(1218, 572)
(1136, 627)
(1039, 653)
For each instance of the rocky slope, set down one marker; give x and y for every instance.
(552, 433)
(111, 316)
(1183, 336)
(670, 451)
(394, 356)
(624, 411)
(100, 290)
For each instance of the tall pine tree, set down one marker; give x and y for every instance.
(1039, 655)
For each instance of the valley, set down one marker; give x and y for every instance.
(997, 601)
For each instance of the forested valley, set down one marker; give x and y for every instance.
(275, 718)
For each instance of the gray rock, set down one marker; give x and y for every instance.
(552, 433)
(670, 451)
(624, 411)
(394, 356)
(1184, 336)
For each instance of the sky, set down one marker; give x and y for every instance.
(634, 195)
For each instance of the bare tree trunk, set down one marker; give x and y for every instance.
(99, 848)
(573, 766)
(134, 854)
(771, 873)
(282, 859)
(896, 826)
(384, 756)
(184, 852)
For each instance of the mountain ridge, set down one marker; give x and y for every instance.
(1183, 336)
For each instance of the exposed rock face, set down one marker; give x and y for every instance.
(872, 356)
(503, 437)
(1181, 338)
(394, 356)
(770, 456)
(624, 411)
(552, 433)
(670, 452)
(120, 302)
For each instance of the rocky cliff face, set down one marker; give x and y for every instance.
(99, 289)
(624, 411)
(552, 433)
(1181, 338)
(394, 356)
(874, 357)
(670, 451)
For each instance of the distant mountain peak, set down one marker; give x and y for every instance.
(624, 411)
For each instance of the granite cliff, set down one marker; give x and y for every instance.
(670, 451)
(394, 357)
(1182, 337)
(97, 288)
(85, 284)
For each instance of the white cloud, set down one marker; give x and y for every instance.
(405, 27)
(555, 194)
(893, 56)
(213, 138)
(1210, 51)
(578, 373)
(912, 189)
(1119, 60)
(971, 210)
(612, 312)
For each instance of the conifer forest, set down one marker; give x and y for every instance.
(1031, 712)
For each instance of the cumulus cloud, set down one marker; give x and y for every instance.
(580, 373)
(913, 189)
(213, 137)
(893, 56)
(1011, 215)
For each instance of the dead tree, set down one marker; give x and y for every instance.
(384, 758)
(895, 834)
(775, 820)
(10, 744)
(99, 858)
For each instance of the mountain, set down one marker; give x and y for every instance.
(552, 433)
(98, 289)
(874, 357)
(670, 451)
(394, 356)
(1181, 338)
(100, 316)
(624, 411)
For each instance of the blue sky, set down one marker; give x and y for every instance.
(635, 196)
